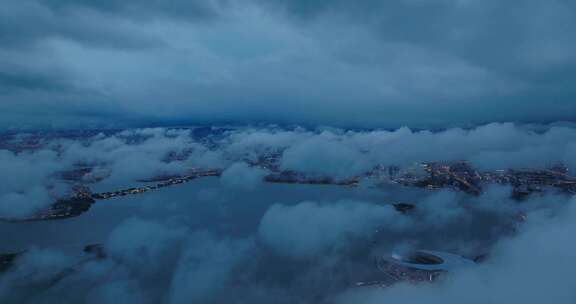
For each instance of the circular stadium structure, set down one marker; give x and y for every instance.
(421, 265)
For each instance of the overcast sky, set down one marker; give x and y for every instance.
(348, 63)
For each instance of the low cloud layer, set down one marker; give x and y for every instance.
(131, 156)
(372, 64)
(534, 267)
(304, 253)
(245, 241)
(309, 229)
(242, 177)
(25, 184)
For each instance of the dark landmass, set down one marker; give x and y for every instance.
(292, 177)
(61, 209)
(7, 260)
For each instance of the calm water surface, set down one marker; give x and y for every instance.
(201, 204)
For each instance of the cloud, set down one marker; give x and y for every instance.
(24, 185)
(339, 152)
(311, 228)
(321, 62)
(136, 154)
(324, 155)
(141, 153)
(310, 252)
(205, 270)
(297, 251)
(34, 269)
(242, 177)
(21, 204)
(146, 262)
(440, 209)
(122, 292)
(534, 267)
(145, 246)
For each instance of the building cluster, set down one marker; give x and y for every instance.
(435, 175)
(165, 183)
(462, 176)
(81, 198)
(525, 182)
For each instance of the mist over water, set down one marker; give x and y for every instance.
(288, 243)
(202, 204)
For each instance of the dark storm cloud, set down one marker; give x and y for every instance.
(529, 41)
(15, 79)
(188, 10)
(371, 63)
(25, 24)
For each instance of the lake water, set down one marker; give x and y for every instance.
(200, 204)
